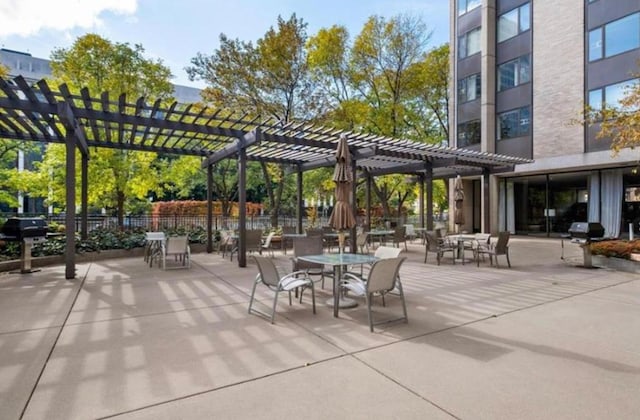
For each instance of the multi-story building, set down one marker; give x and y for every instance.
(33, 69)
(522, 72)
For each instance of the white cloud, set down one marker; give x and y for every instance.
(28, 17)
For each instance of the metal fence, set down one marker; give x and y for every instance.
(155, 223)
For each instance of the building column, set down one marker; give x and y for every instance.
(488, 77)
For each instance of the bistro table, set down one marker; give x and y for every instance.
(153, 250)
(460, 239)
(337, 261)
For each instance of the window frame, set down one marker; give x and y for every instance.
(518, 21)
(462, 129)
(519, 118)
(464, 40)
(464, 10)
(517, 72)
(604, 46)
(602, 93)
(477, 91)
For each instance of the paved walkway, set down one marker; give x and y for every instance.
(542, 340)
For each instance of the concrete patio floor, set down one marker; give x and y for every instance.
(544, 339)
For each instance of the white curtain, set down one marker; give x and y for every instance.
(612, 190)
(510, 212)
(594, 197)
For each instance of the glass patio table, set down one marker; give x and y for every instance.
(338, 261)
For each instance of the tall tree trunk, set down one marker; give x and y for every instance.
(120, 208)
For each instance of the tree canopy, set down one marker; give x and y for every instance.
(115, 176)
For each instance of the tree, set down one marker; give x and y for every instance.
(101, 65)
(620, 122)
(387, 83)
(4, 71)
(268, 79)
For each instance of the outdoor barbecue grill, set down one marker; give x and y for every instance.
(583, 233)
(28, 230)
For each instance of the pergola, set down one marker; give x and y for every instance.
(39, 113)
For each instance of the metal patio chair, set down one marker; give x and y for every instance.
(269, 276)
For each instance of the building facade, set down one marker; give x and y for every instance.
(521, 74)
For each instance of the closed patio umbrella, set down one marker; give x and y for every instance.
(458, 196)
(342, 217)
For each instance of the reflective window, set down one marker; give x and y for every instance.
(514, 73)
(469, 88)
(611, 95)
(514, 22)
(615, 37)
(469, 43)
(468, 133)
(514, 123)
(465, 6)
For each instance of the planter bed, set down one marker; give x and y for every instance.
(106, 254)
(614, 263)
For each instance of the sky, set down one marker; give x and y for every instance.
(176, 30)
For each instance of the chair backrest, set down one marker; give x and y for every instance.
(307, 245)
(289, 229)
(177, 245)
(431, 240)
(254, 239)
(361, 239)
(267, 242)
(154, 236)
(503, 241)
(314, 232)
(383, 274)
(410, 230)
(400, 232)
(268, 271)
(383, 252)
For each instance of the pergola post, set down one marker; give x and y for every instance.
(299, 201)
(70, 212)
(429, 188)
(242, 204)
(368, 199)
(486, 197)
(354, 205)
(84, 201)
(421, 180)
(209, 209)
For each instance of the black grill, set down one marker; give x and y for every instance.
(20, 228)
(586, 231)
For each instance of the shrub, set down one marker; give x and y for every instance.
(615, 248)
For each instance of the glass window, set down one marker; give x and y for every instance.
(468, 133)
(623, 35)
(514, 123)
(514, 73)
(469, 43)
(514, 22)
(615, 37)
(465, 6)
(595, 44)
(610, 95)
(525, 17)
(469, 88)
(595, 99)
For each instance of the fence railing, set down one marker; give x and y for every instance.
(153, 223)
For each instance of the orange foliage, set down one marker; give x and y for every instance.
(198, 208)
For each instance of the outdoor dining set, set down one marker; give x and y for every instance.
(318, 256)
